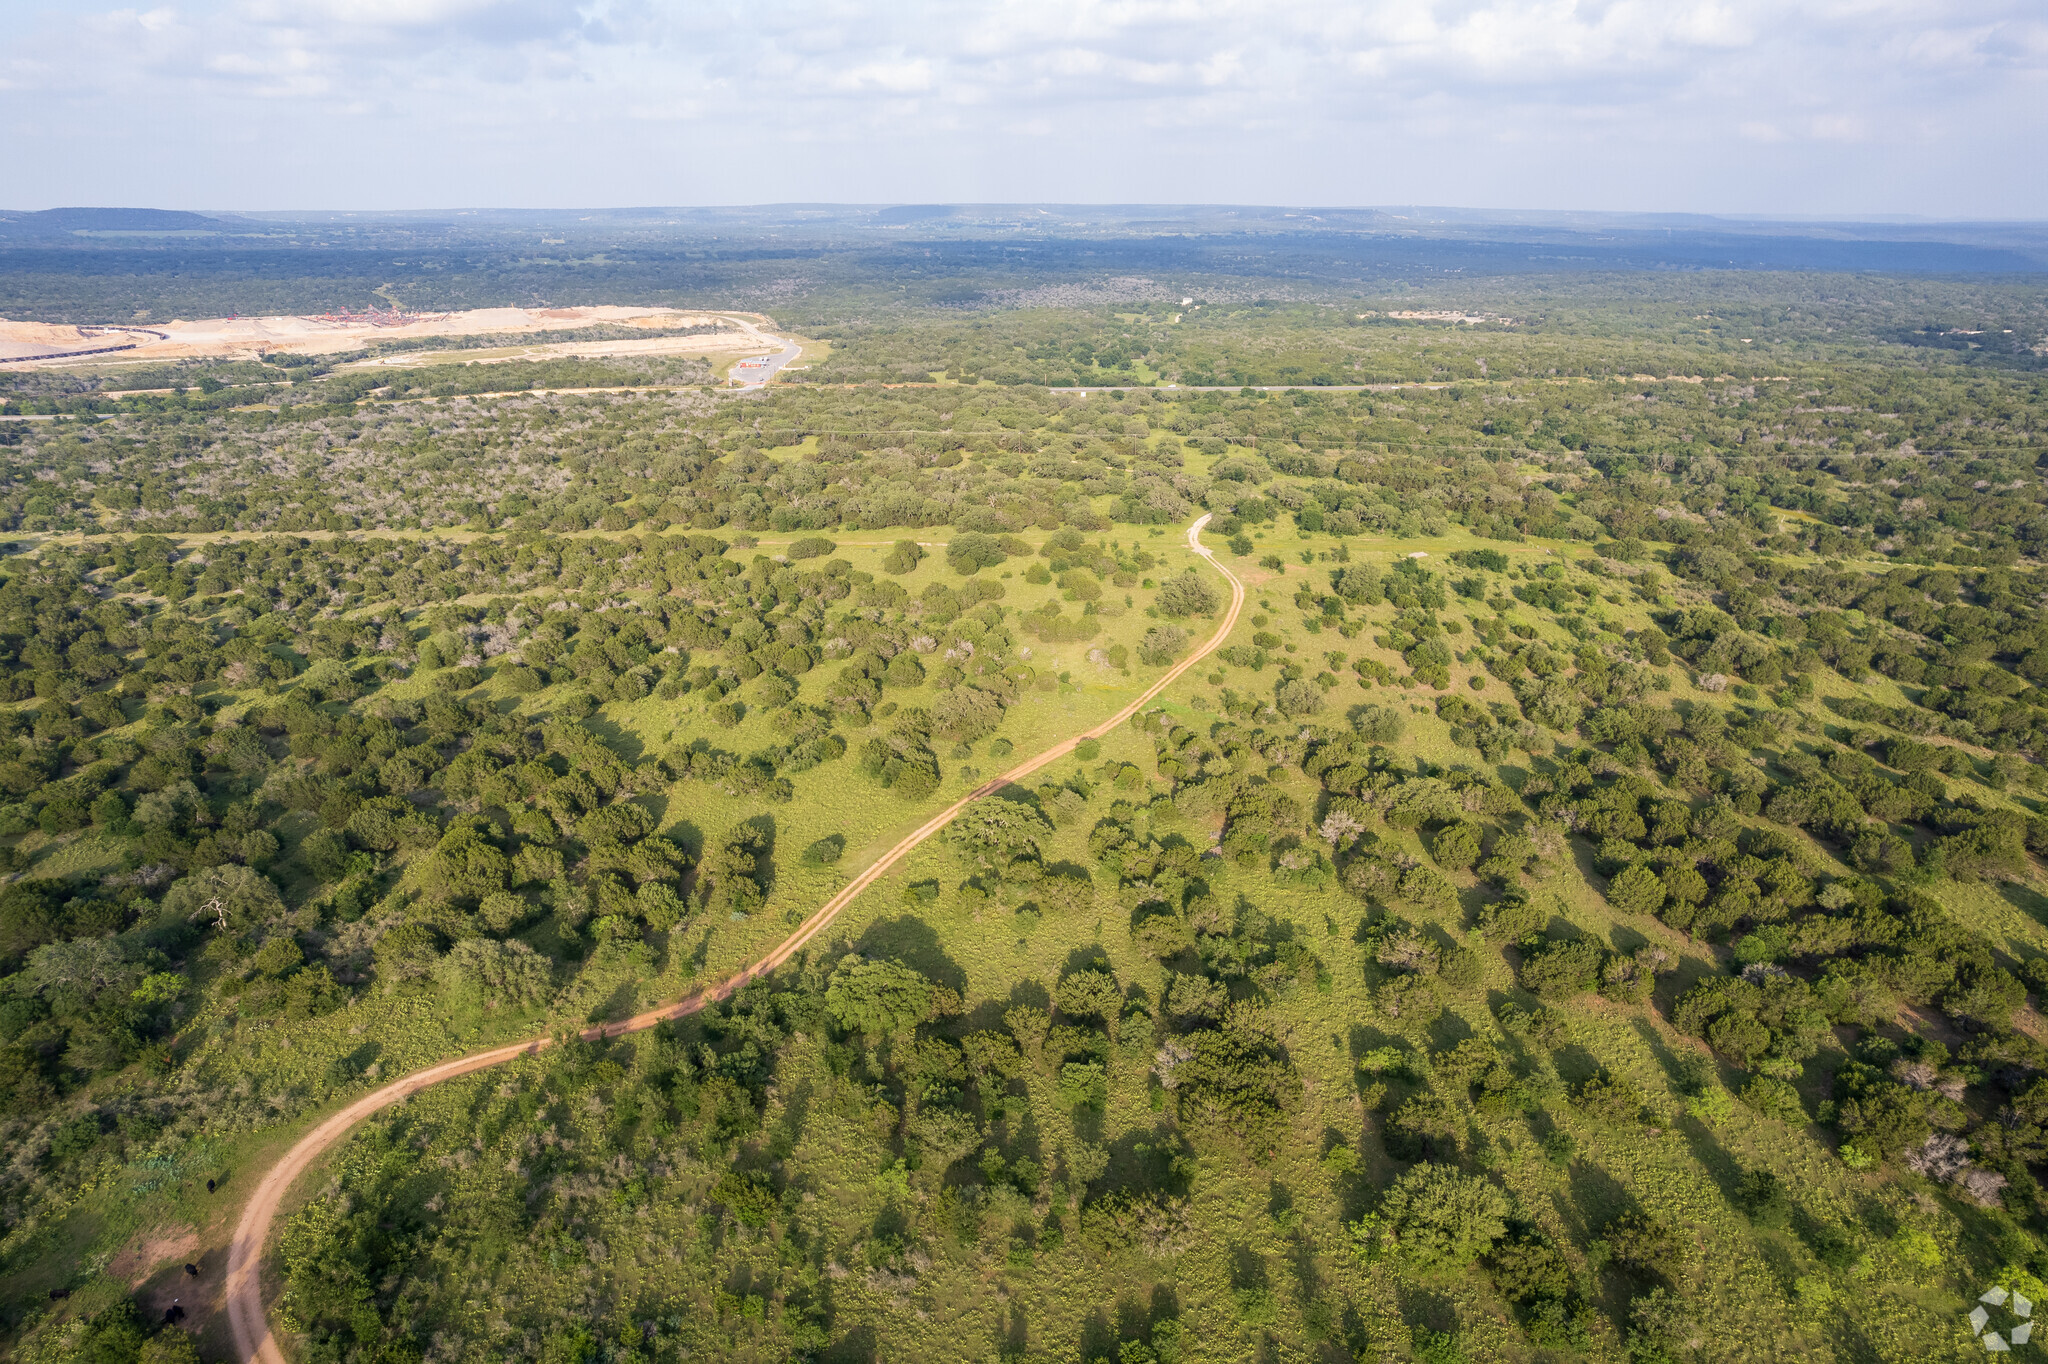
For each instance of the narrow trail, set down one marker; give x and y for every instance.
(247, 1320)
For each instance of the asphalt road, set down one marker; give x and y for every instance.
(756, 372)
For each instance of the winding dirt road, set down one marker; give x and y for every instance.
(247, 1320)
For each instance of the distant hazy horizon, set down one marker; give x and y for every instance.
(969, 214)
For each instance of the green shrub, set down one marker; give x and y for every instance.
(521, 680)
(904, 557)
(971, 551)
(1164, 643)
(1774, 1099)
(825, 851)
(1559, 970)
(1189, 594)
(1378, 724)
(1438, 1216)
(1455, 846)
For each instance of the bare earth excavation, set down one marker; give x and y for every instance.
(668, 331)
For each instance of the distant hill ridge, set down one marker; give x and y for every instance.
(106, 220)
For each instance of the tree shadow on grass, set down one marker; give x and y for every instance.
(1024, 1142)
(1353, 1339)
(685, 834)
(1693, 967)
(1165, 1305)
(1093, 957)
(1771, 1249)
(1591, 1200)
(1447, 1030)
(1624, 938)
(763, 829)
(858, 1346)
(1098, 1337)
(2026, 900)
(350, 1068)
(1712, 1156)
(915, 943)
(1015, 794)
(618, 1004)
(1665, 1058)
(1087, 1120)
(1133, 1319)
(1882, 1222)
(1016, 1344)
(1472, 900)
(1852, 1344)
(739, 1281)
(1248, 1271)
(986, 1016)
(1355, 1187)
(620, 740)
(655, 803)
(1308, 1276)
(1143, 1161)
(1364, 1039)
(790, 1130)
(1597, 1199)
(1425, 1309)
(1575, 1065)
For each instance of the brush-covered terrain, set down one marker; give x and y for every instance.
(1588, 907)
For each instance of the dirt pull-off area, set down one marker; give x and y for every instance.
(137, 1261)
(37, 344)
(154, 1264)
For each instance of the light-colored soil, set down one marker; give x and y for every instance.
(247, 1319)
(153, 1264)
(137, 1261)
(21, 343)
(722, 343)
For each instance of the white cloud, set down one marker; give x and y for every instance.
(1840, 128)
(1559, 102)
(896, 77)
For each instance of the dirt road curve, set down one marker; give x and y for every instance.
(254, 1340)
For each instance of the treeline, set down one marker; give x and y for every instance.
(1707, 467)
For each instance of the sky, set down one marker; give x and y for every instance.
(1850, 108)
